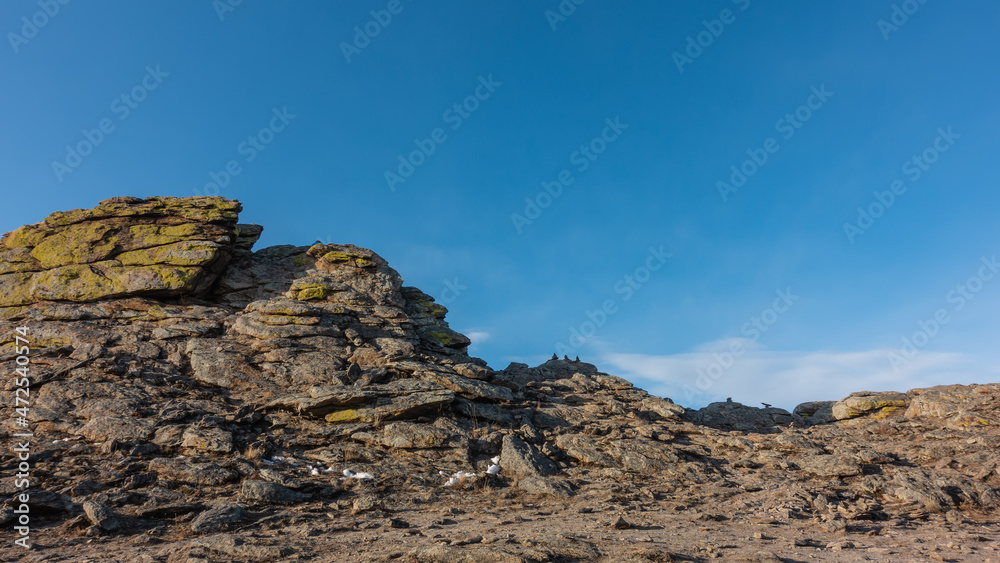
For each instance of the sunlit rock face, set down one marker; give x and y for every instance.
(184, 383)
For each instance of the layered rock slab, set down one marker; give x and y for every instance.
(159, 246)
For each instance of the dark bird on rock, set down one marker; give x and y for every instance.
(766, 405)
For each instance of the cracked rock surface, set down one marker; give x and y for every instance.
(193, 400)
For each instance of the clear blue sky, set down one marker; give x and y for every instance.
(645, 122)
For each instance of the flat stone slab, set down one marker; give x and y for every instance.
(468, 388)
(322, 400)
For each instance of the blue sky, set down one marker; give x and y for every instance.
(737, 137)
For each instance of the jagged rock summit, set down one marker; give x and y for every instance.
(194, 400)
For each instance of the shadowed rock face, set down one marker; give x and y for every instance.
(176, 375)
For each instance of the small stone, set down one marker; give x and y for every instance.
(308, 531)
(188, 472)
(117, 429)
(621, 524)
(218, 518)
(272, 493)
(366, 503)
(84, 488)
(840, 545)
(398, 523)
(101, 516)
(834, 526)
(207, 440)
(545, 486)
(953, 517)
(467, 540)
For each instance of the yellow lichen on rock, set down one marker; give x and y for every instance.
(160, 246)
(75, 282)
(865, 403)
(310, 293)
(348, 415)
(81, 243)
(25, 237)
(185, 253)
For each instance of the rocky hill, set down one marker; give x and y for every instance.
(189, 400)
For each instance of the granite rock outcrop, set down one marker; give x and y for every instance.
(192, 399)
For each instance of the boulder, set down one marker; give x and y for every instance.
(218, 518)
(963, 406)
(410, 435)
(207, 440)
(815, 412)
(518, 458)
(876, 405)
(101, 516)
(269, 493)
(641, 455)
(466, 387)
(552, 486)
(120, 428)
(731, 415)
(159, 246)
(172, 469)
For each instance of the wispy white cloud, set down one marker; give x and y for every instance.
(477, 336)
(786, 378)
